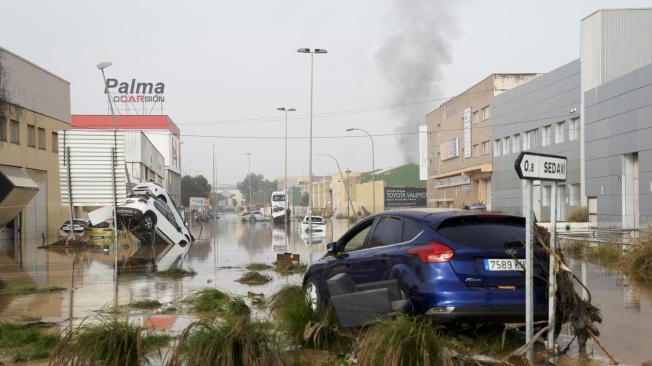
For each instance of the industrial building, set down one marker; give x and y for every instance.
(611, 124)
(542, 116)
(86, 169)
(34, 109)
(160, 130)
(460, 144)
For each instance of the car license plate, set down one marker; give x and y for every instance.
(504, 264)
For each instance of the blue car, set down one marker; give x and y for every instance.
(453, 265)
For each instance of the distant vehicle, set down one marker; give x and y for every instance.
(452, 266)
(318, 224)
(257, 216)
(143, 215)
(280, 211)
(78, 227)
(99, 234)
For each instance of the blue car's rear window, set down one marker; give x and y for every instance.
(484, 231)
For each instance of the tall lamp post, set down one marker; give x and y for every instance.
(101, 66)
(373, 164)
(346, 187)
(285, 181)
(249, 174)
(312, 54)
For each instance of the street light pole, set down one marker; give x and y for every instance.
(346, 187)
(285, 180)
(373, 164)
(114, 152)
(312, 53)
(250, 198)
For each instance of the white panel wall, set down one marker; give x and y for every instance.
(90, 165)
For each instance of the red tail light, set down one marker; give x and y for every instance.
(433, 253)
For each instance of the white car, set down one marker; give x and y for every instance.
(318, 224)
(258, 216)
(145, 214)
(157, 191)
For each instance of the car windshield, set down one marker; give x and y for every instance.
(314, 219)
(278, 198)
(484, 231)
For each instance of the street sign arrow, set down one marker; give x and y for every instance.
(537, 166)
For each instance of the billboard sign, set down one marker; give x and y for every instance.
(405, 197)
(198, 203)
(467, 133)
(423, 152)
(450, 149)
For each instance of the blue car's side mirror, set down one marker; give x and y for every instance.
(330, 247)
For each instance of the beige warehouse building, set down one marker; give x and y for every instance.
(460, 144)
(34, 106)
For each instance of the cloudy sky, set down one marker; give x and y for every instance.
(227, 66)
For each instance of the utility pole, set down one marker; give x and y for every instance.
(114, 154)
(373, 165)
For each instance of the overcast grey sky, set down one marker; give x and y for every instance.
(228, 65)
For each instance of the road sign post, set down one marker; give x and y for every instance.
(543, 167)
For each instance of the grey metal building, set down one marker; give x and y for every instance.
(618, 122)
(541, 115)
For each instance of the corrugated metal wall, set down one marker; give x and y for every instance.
(90, 166)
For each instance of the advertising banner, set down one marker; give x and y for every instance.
(405, 197)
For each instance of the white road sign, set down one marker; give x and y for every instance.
(535, 166)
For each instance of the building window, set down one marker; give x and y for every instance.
(559, 132)
(31, 136)
(3, 129)
(524, 141)
(532, 139)
(574, 129)
(476, 150)
(485, 148)
(496, 148)
(476, 117)
(545, 135)
(574, 195)
(545, 195)
(55, 142)
(486, 113)
(506, 145)
(41, 138)
(14, 133)
(516, 140)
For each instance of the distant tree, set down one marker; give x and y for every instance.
(196, 186)
(305, 198)
(261, 188)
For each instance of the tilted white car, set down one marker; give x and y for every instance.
(157, 191)
(145, 214)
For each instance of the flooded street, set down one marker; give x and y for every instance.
(219, 256)
(218, 260)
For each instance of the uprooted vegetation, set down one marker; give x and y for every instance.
(254, 278)
(634, 259)
(175, 272)
(287, 268)
(258, 266)
(235, 341)
(145, 304)
(637, 260)
(22, 343)
(208, 301)
(303, 326)
(109, 342)
(579, 214)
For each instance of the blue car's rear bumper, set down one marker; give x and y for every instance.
(443, 296)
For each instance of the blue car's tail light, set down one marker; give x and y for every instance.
(440, 310)
(433, 252)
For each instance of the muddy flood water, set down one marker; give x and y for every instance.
(219, 256)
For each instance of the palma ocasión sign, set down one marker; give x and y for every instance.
(536, 166)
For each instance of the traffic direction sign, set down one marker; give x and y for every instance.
(536, 166)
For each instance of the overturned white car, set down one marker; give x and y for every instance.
(150, 215)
